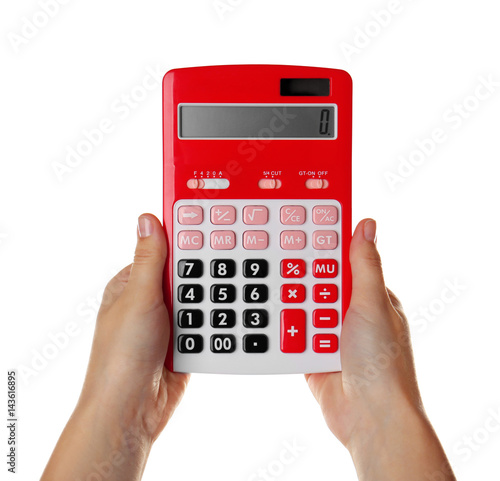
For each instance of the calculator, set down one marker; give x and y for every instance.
(257, 213)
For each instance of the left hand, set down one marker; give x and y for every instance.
(126, 369)
(128, 395)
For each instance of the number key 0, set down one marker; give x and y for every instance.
(190, 343)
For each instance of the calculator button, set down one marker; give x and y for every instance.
(314, 184)
(190, 293)
(190, 318)
(325, 239)
(190, 343)
(190, 239)
(325, 343)
(255, 318)
(223, 268)
(255, 215)
(190, 268)
(325, 268)
(222, 239)
(255, 293)
(190, 215)
(324, 318)
(223, 214)
(325, 215)
(293, 268)
(292, 215)
(293, 239)
(223, 293)
(255, 268)
(293, 330)
(223, 343)
(223, 318)
(255, 343)
(255, 239)
(293, 293)
(325, 293)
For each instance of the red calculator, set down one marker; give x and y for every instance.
(257, 212)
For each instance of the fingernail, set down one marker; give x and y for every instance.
(145, 226)
(370, 230)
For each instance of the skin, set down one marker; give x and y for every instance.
(373, 406)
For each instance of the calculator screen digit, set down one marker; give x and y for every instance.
(257, 213)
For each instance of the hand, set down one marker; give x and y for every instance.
(128, 395)
(374, 406)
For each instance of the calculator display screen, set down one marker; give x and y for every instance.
(257, 121)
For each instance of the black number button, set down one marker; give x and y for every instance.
(255, 293)
(223, 343)
(190, 343)
(255, 318)
(187, 318)
(223, 268)
(255, 268)
(223, 318)
(255, 343)
(223, 293)
(190, 268)
(190, 293)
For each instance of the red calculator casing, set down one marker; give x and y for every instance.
(245, 162)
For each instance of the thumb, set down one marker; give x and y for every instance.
(150, 255)
(368, 286)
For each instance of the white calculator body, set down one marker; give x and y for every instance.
(257, 212)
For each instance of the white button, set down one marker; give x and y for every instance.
(216, 184)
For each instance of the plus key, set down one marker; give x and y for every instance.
(293, 330)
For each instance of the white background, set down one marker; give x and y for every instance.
(61, 240)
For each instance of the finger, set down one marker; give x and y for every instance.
(115, 287)
(326, 388)
(150, 254)
(396, 303)
(368, 287)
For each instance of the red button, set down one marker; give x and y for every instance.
(325, 293)
(325, 343)
(293, 293)
(293, 330)
(293, 268)
(325, 268)
(324, 318)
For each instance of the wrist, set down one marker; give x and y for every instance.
(398, 441)
(128, 409)
(115, 421)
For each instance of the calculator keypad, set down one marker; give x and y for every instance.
(257, 286)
